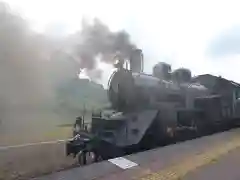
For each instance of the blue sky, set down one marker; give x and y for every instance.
(203, 35)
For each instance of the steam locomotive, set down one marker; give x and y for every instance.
(153, 109)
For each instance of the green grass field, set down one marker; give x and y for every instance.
(37, 127)
(55, 133)
(60, 132)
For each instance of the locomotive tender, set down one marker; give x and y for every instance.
(150, 109)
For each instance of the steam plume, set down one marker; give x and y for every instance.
(25, 87)
(96, 39)
(32, 65)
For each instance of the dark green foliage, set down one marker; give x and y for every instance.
(77, 93)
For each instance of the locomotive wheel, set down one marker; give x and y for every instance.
(197, 126)
(81, 157)
(85, 158)
(98, 159)
(200, 127)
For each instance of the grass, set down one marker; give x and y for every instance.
(55, 133)
(65, 125)
(61, 132)
(30, 161)
(38, 132)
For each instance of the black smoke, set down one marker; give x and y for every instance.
(97, 40)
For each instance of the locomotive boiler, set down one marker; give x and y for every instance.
(151, 109)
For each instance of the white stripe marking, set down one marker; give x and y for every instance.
(123, 163)
(31, 144)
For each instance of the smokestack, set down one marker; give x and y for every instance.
(136, 60)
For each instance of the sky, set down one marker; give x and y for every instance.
(202, 35)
